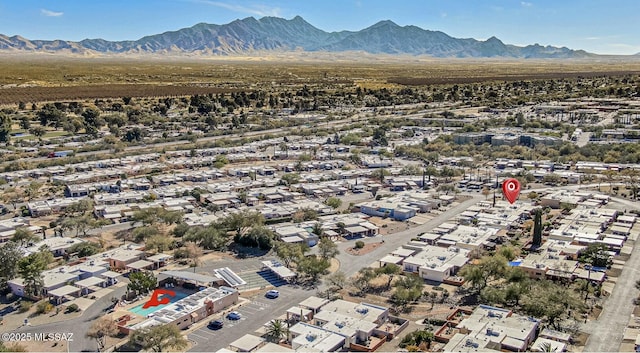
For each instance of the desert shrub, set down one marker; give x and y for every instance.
(359, 244)
(44, 307)
(73, 308)
(25, 306)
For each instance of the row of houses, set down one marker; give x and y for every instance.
(505, 139)
(403, 206)
(320, 325)
(88, 275)
(349, 226)
(8, 227)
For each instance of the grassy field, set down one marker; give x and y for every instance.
(46, 77)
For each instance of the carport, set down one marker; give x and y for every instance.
(91, 283)
(191, 277)
(140, 265)
(59, 294)
(111, 277)
(391, 259)
(247, 343)
(296, 314)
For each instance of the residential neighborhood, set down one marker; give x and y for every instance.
(325, 216)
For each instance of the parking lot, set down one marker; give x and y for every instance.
(255, 313)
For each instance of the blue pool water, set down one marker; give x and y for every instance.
(138, 310)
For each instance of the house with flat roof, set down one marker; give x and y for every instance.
(120, 257)
(436, 263)
(305, 337)
(491, 328)
(58, 246)
(8, 227)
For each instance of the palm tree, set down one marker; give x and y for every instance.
(276, 331)
(546, 347)
(317, 229)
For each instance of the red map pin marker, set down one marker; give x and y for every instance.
(511, 189)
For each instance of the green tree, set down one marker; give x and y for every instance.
(154, 215)
(241, 222)
(418, 339)
(333, 202)
(10, 255)
(158, 242)
(140, 234)
(488, 269)
(5, 127)
(290, 253)
(92, 118)
(142, 282)
(290, 179)
(276, 331)
(50, 115)
(159, 338)
(102, 328)
(389, 270)
(317, 229)
(313, 266)
(79, 208)
(210, 237)
(596, 255)
(24, 236)
(327, 249)
(84, 249)
(37, 131)
(362, 282)
(32, 190)
(537, 228)
(30, 270)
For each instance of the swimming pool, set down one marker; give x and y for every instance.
(139, 310)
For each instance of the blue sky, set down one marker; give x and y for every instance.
(598, 26)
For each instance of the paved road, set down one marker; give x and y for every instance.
(79, 326)
(350, 264)
(607, 332)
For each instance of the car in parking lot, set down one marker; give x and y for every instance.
(234, 315)
(272, 294)
(215, 324)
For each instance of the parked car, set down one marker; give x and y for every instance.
(215, 324)
(234, 315)
(272, 294)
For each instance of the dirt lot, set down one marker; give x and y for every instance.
(365, 250)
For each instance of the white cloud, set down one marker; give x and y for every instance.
(526, 4)
(443, 14)
(258, 10)
(602, 37)
(50, 13)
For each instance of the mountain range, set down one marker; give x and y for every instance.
(252, 35)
